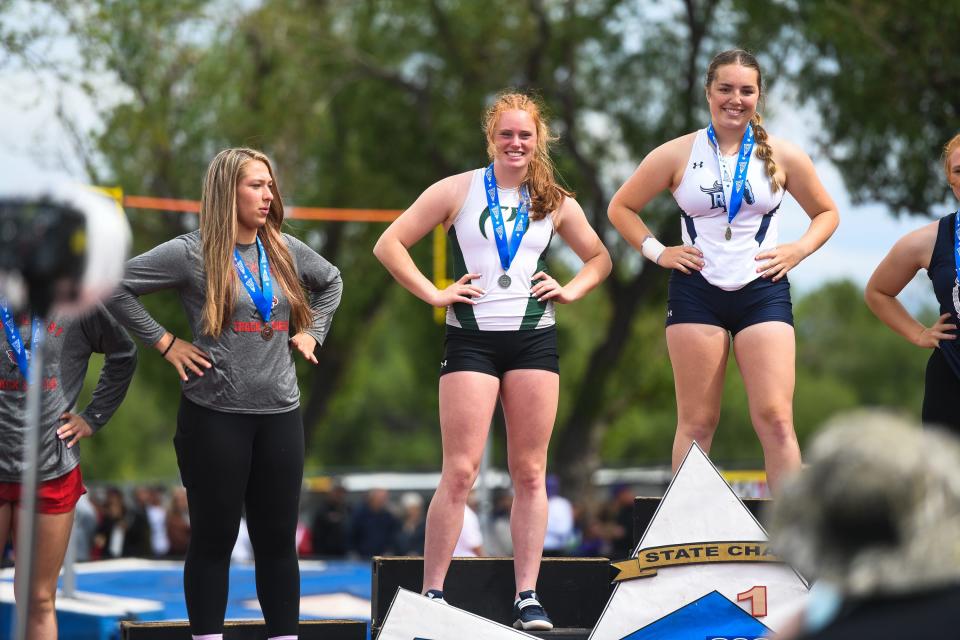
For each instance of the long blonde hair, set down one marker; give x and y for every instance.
(764, 150)
(218, 235)
(546, 195)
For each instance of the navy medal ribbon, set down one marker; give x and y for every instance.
(733, 186)
(16, 342)
(506, 247)
(956, 262)
(262, 296)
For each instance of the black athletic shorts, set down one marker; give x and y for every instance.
(941, 390)
(496, 352)
(691, 299)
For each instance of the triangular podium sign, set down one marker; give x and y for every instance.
(700, 512)
(414, 617)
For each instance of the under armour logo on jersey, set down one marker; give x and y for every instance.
(443, 364)
(669, 313)
(698, 165)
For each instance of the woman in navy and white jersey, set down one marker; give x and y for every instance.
(729, 275)
(933, 247)
(501, 340)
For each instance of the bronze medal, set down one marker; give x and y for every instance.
(504, 281)
(267, 332)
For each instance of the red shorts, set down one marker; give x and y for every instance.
(59, 495)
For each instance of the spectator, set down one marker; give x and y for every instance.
(560, 533)
(374, 527)
(410, 534)
(470, 542)
(593, 543)
(149, 500)
(122, 532)
(330, 522)
(621, 514)
(178, 523)
(500, 542)
(875, 521)
(84, 528)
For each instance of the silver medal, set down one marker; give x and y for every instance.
(728, 234)
(504, 281)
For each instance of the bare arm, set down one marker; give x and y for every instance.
(661, 169)
(801, 181)
(910, 254)
(437, 205)
(576, 231)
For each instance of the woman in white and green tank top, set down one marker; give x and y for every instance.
(501, 338)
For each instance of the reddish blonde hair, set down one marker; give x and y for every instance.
(546, 194)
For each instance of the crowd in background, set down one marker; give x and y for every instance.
(152, 521)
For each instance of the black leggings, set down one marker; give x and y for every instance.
(228, 461)
(940, 393)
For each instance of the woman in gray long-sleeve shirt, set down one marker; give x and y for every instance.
(253, 296)
(68, 344)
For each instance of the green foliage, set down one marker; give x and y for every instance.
(884, 78)
(364, 104)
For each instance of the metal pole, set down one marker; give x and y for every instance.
(26, 539)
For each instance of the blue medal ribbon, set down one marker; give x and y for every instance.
(262, 296)
(956, 246)
(733, 187)
(506, 247)
(16, 342)
(956, 262)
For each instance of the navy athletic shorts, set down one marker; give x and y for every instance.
(496, 352)
(691, 299)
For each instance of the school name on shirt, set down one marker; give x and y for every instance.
(19, 384)
(256, 326)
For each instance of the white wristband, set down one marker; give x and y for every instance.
(651, 248)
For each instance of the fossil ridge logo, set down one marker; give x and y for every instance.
(717, 199)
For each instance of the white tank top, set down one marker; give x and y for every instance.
(730, 264)
(474, 250)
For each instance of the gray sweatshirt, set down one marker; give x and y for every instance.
(68, 344)
(249, 374)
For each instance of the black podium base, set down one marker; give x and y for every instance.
(246, 630)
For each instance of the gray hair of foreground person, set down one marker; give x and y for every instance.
(877, 512)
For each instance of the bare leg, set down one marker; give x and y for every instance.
(467, 401)
(53, 534)
(766, 354)
(529, 399)
(698, 354)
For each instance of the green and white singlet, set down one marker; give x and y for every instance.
(474, 250)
